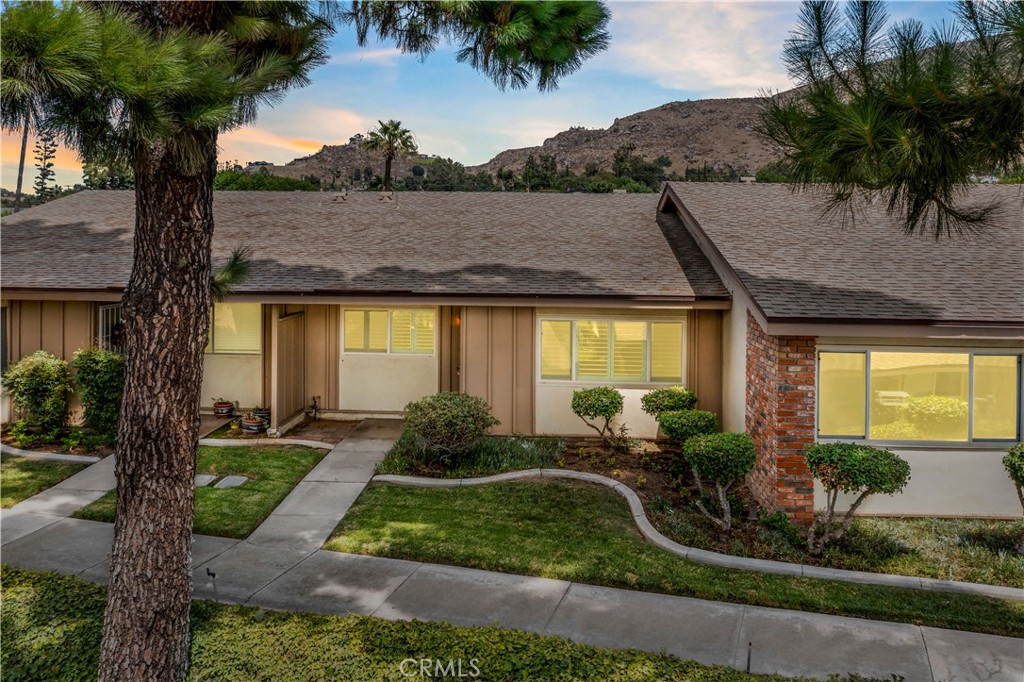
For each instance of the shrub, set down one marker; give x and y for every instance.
(682, 425)
(721, 459)
(39, 386)
(935, 416)
(671, 399)
(600, 403)
(850, 468)
(1014, 463)
(99, 375)
(449, 424)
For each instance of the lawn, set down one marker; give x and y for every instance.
(23, 477)
(51, 628)
(584, 533)
(492, 455)
(234, 512)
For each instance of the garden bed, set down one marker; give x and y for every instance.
(951, 549)
(73, 441)
(22, 477)
(233, 512)
(51, 627)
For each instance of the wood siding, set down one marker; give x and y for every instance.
(704, 358)
(58, 327)
(322, 350)
(497, 363)
(287, 372)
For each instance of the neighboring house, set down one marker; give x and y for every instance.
(783, 322)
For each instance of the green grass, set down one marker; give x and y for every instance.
(492, 455)
(585, 533)
(23, 477)
(51, 627)
(233, 512)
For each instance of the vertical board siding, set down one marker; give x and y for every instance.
(288, 373)
(704, 358)
(322, 352)
(497, 363)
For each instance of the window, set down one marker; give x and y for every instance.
(236, 328)
(389, 331)
(111, 336)
(927, 396)
(623, 351)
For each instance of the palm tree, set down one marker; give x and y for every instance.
(901, 115)
(45, 48)
(167, 77)
(390, 139)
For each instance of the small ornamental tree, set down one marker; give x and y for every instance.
(99, 375)
(39, 386)
(1014, 463)
(448, 424)
(850, 468)
(603, 404)
(682, 425)
(720, 459)
(669, 399)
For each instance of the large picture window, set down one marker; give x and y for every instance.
(236, 328)
(618, 351)
(389, 331)
(926, 396)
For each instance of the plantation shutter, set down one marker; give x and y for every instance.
(667, 352)
(629, 351)
(591, 349)
(401, 331)
(424, 327)
(555, 349)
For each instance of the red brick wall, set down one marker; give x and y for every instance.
(780, 418)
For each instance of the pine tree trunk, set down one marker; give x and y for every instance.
(21, 166)
(166, 318)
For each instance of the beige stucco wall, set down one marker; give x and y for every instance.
(232, 377)
(945, 482)
(497, 362)
(555, 415)
(734, 363)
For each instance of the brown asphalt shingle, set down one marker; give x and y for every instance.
(422, 243)
(799, 265)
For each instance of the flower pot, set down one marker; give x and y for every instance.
(224, 409)
(252, 425)
(262, 414)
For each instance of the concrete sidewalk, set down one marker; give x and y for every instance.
(281, 567)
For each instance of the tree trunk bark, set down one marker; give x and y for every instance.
(387, 173)
(21, 166)
(166, 319)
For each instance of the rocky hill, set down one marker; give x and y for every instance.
(716, 132)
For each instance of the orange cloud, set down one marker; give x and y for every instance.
(66, 164)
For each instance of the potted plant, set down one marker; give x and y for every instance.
(251, 423)
(223, 408)
(262, 413)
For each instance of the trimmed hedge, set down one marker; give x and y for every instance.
(682, 425)
(99, 375)
(722, 459)
(601, 403)
(448, 424)
(39, 386)
(669, 399)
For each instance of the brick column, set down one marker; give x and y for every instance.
(780, 418)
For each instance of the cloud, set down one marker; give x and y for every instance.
(291, 130)
(385, 56)
(67, 166)
(709, 49)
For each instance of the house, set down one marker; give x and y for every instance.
(783, 321)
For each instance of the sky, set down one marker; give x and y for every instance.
(660, 52)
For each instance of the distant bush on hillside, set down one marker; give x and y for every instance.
(260, 182)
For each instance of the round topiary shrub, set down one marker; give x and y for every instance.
(722, 459)
(670, 399)
(99, 375)
(448, 424)
(682, 425)
(39, 386)
(599, 403)
(851, 468)
(1014, 463)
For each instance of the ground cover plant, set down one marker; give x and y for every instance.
(233, 512)
(490, 455)
(585, 533)
(22, 477)
(51, 627)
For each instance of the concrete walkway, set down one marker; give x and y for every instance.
(281, 567)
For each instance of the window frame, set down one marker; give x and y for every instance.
(971, 353)
(104, 337)
(390, 349)
(574, 380)
(211, 346)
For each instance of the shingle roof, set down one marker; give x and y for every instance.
(799, 265)
(420, 244)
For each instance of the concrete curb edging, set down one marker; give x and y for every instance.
(235, 442)
(52, 456)
(702, 556)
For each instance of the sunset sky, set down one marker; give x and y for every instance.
(660, 52)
